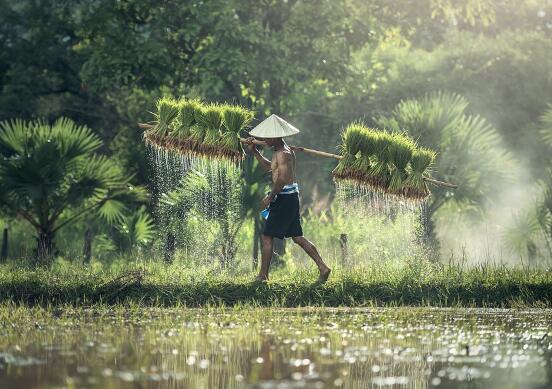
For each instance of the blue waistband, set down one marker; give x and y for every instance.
(290, 188)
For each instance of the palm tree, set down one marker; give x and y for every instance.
(52, 177)
(544, 206)
(470, 152)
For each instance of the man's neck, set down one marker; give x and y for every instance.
(280, 145)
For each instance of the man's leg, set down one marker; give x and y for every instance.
(266, 256)
(311, 250)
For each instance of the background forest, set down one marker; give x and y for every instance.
(471, 79)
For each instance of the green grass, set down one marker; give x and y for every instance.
(419, 283)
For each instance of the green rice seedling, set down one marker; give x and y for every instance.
(379, 171)
(185, 118)
(351, 140)
(367, 145)
(400, 152)
(197, 130)
(420, 162)
(167, 111)
(235, 118)
(211, 121)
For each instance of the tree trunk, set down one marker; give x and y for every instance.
(170, 247)
(4, 251)
(343, 242)
(256, 241)
(45, 246)
(426, 235)
(87, 247)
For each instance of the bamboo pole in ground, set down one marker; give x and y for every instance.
(146, 126)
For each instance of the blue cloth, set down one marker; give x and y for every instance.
(287, 189)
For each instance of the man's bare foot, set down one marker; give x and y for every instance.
(260, 279)
(324, 274)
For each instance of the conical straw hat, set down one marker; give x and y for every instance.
(273, 127)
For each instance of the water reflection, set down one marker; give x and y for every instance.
(170, 348)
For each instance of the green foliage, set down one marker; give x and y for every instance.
(186, 117)
(210, 130)
(52, 176)
(470, 149)
(546, 125)
(519, 238)
(102, 63)
(134, 231)
(420, 163)
(167, 111)
(235, 119)
(211, 121)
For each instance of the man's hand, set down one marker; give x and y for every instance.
(266, 202)
(250, 144)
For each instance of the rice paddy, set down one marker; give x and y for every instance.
(132, 346)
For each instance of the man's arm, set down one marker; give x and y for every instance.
(265, 163)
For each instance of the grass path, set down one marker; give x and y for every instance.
(154, 284)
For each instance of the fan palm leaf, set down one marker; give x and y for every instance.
(51, 175)
(546, 125)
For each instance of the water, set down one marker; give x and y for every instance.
(277, 348)
(206, 189)
(353, 199)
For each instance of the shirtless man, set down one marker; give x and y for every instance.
(283, 219)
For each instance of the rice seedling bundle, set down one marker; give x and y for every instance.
(185, 118)
(167, 110)
(379, 172)
(367, 146)
(191, 127)
(211, 120)
(234, 119)
(385, 162)
(400, 152)
(420, 163)
(197, 131)
(351, 140)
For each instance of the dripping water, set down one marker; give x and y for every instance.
(216, 200)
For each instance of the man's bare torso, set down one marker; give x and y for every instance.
(288, 158)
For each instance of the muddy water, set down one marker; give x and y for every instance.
(275, 348)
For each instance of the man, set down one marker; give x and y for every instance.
(282, 203)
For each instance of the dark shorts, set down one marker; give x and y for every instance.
(284, 220)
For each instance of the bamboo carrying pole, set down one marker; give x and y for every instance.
(146, 126)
